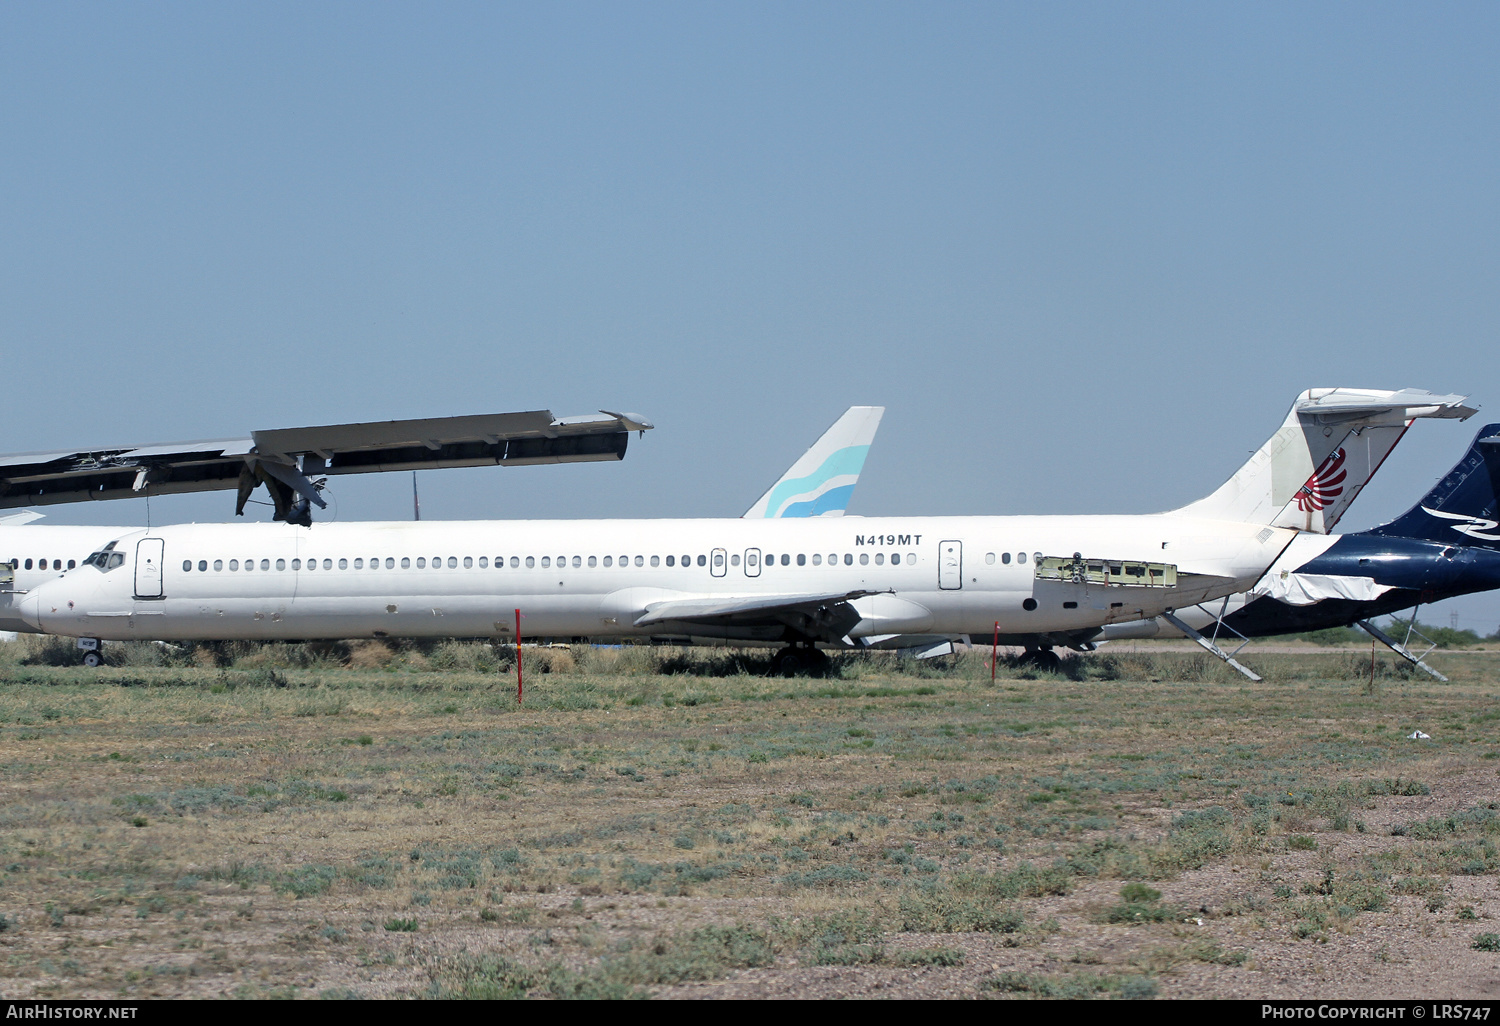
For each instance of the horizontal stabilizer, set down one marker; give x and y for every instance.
(1332, 442)
(26, 516)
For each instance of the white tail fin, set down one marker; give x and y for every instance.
(1330, 445)
(821, 483)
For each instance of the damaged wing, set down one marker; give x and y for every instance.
(286, 460)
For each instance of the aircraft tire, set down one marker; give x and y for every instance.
(91, 659)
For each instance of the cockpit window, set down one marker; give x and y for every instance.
(105, 559)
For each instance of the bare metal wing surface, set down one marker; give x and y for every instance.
(287, 460)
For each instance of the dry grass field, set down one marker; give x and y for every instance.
(334, 822)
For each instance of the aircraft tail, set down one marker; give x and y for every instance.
(1332, 442)
(1464, 507)
(821, 483)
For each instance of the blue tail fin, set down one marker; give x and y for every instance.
(1461, 509)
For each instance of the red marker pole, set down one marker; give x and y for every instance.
(518, 657)
(995, 652)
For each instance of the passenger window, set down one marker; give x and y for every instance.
(218, 564)
(688, 560)
(1036, 557)
(531, 562)
(406, 562)
(718, 559)
(640, 561)
(577, 562)
(702, 560)
(515, 561)
(390, 563)
(895, 558)
(296, 564)
(281, 564)
(671, 561)
(880, 559)
(593, 561)
(609, 560)
(249, 565)
(234, 564)
(452, 562)
(786, 560)
(1005, 558)
(41, 564)
(72, 564)
(1020, 557)
(864, 559)
(848, 559)
(202, 565)
(28, 564)
(187, 564)
(343, 564)
(817, 559)
(734, 560)
(911, 558)
(484, 562)
(656, 561)
(327, 564)
(468, 562)
(801, 559)
(359, 564)
(265, 564)
(989, 559)
(421, 562)
(546, 561)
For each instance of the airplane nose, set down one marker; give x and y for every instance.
(29, 609)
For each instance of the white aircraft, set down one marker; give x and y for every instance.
(799, 581)
(820, 483)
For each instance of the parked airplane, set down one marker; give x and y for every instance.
(798, 581)
(820, 483)
(1446, 545)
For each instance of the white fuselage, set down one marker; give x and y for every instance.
(597, 578)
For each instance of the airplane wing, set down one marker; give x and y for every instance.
(286, 459)
(826, 616)
(821, 482)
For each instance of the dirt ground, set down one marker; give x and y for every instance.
(642, 827)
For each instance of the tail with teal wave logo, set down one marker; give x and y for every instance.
(821, 483)
(1464, 507)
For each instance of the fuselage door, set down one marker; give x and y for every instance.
(718, 562)
(752, 562)
(950, 565)
(148, 562)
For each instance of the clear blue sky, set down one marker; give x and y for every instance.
(1086, 254)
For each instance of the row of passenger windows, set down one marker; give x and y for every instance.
(989, 557)
(516, 562)
(42, 564)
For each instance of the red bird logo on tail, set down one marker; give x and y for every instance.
(1325, 485)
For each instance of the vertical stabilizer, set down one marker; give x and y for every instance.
(1464, 507)
(821, 483)
(1333, 440)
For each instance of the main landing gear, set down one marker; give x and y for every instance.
(1043, 659)
(799, 661)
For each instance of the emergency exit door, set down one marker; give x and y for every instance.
(148, 557)
(950, 565)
